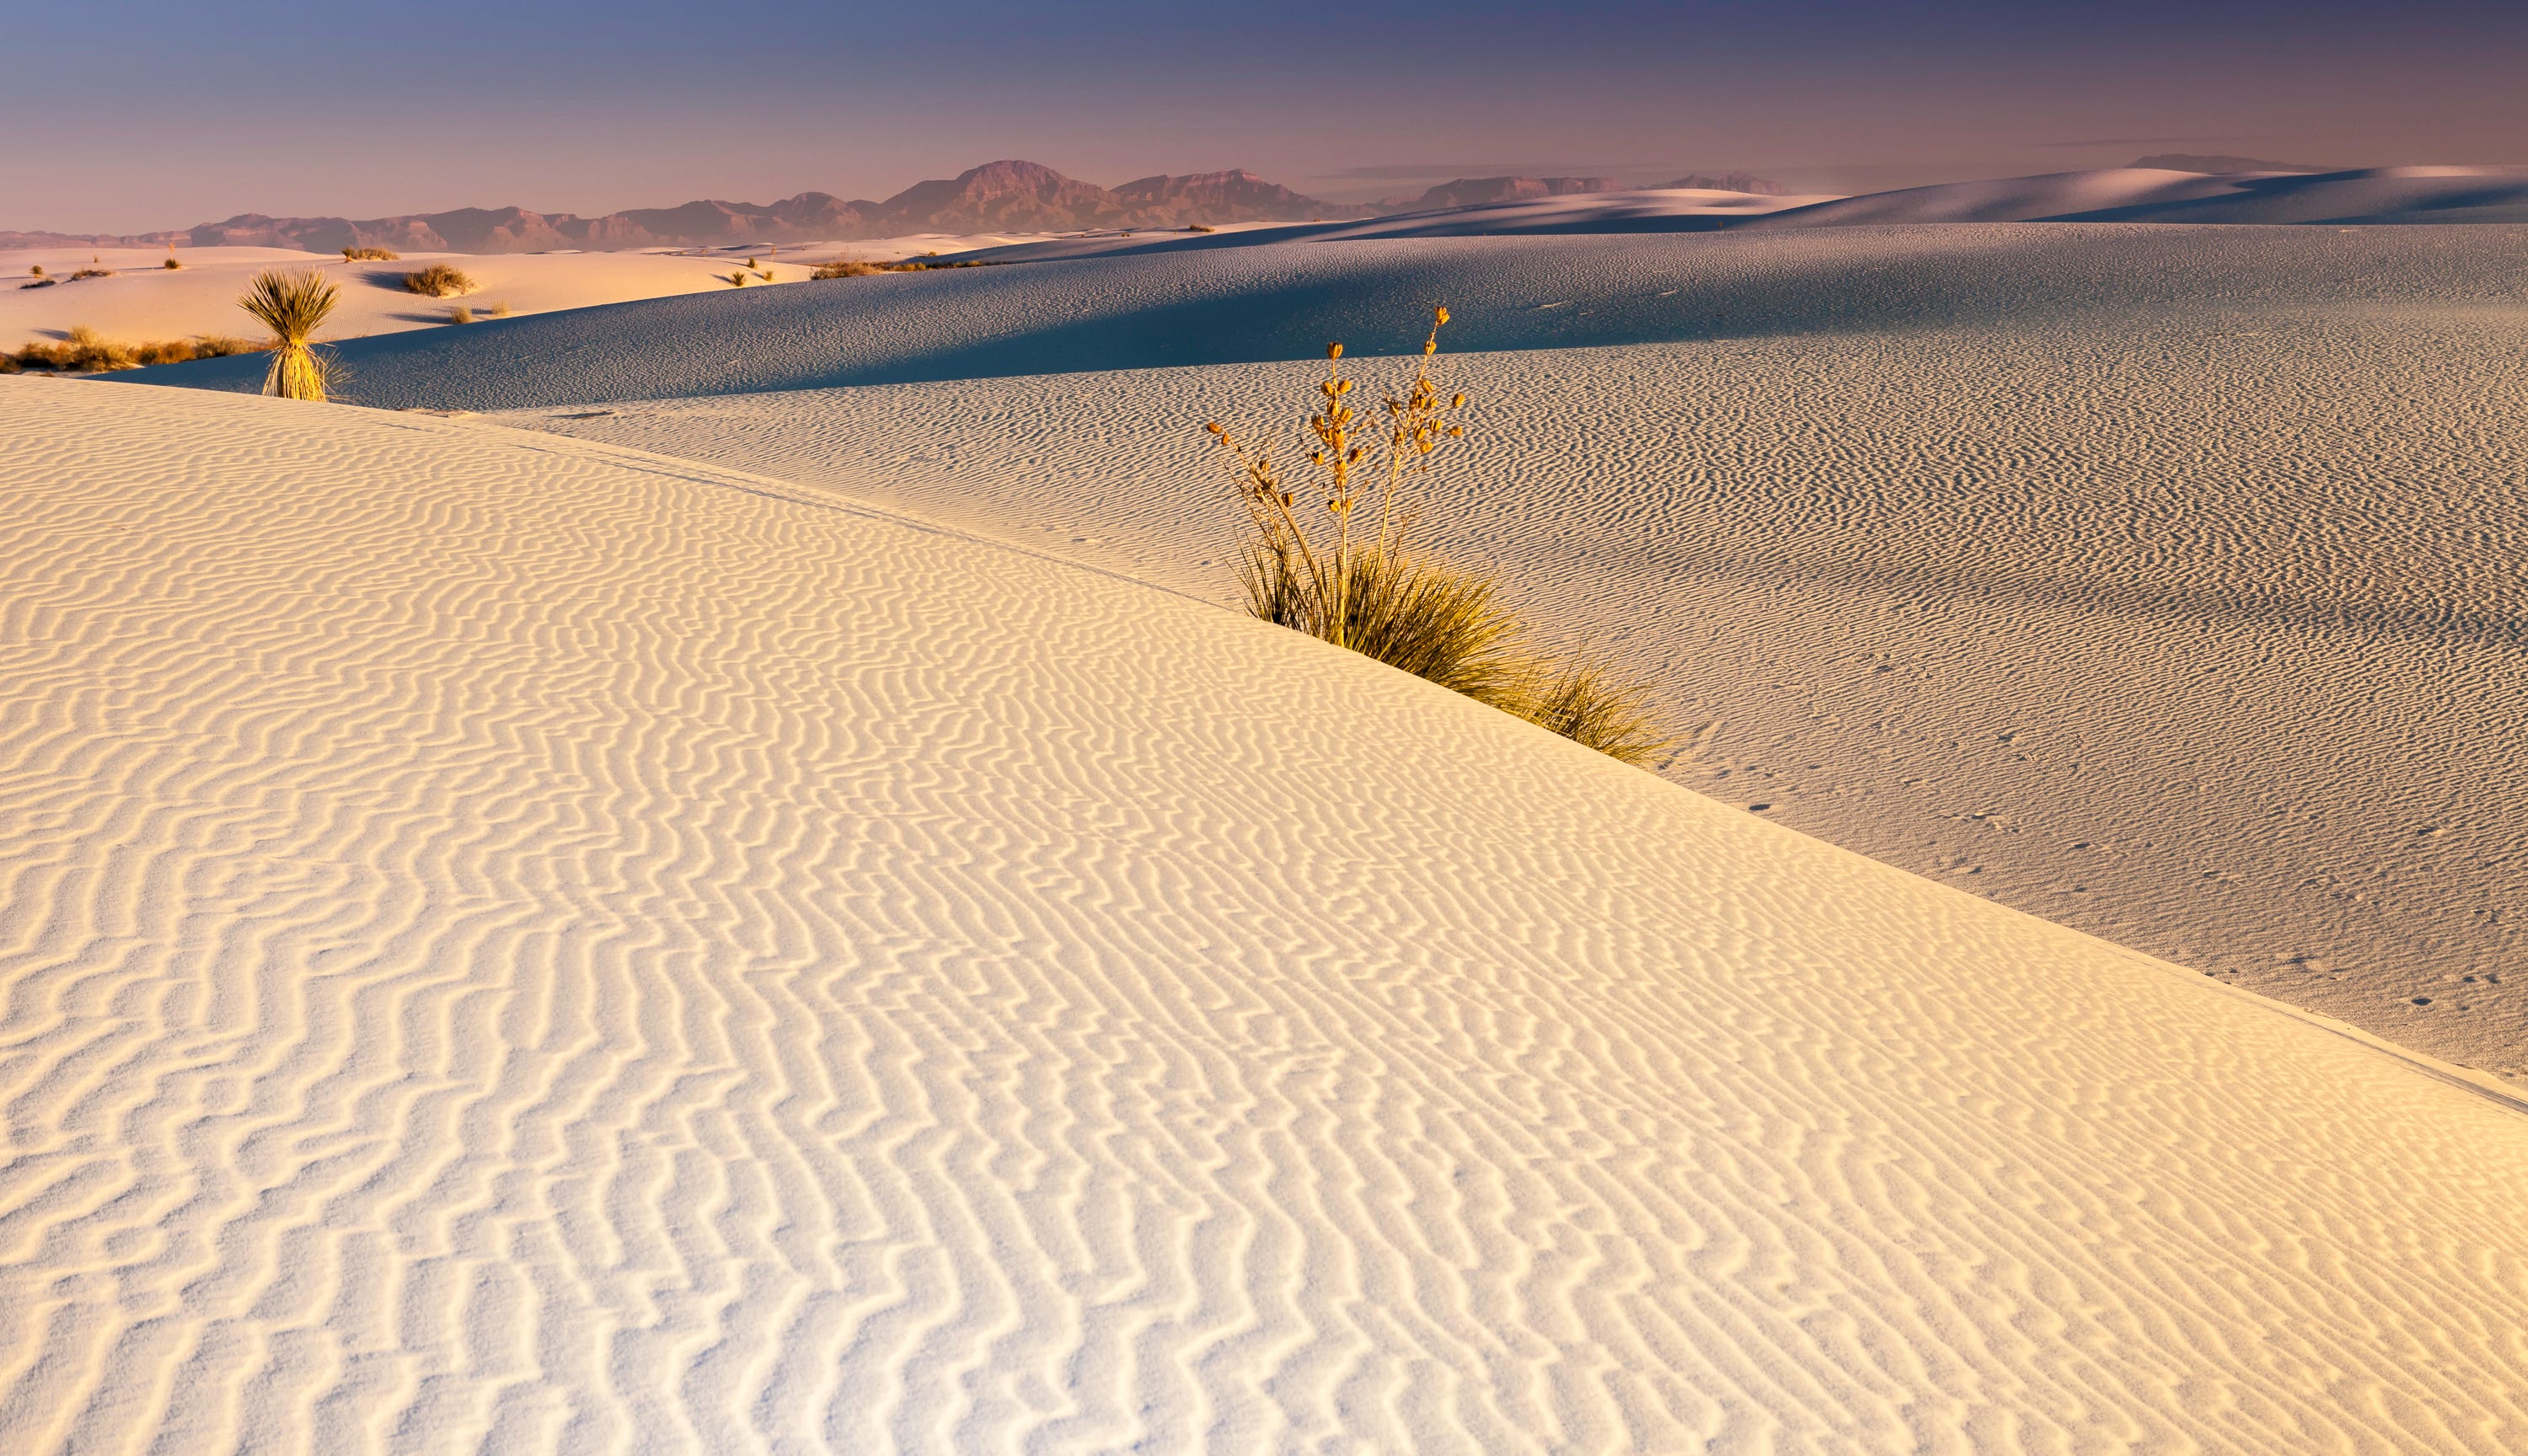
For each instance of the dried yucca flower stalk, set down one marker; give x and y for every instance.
(294, 306)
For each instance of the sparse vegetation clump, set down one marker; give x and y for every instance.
(860, 268)
(294, 306)
(440, 281)
(498, 310)
(91, 273)
(170, 265)
(84, 350)
(1360, 580)
(460, 314)
(371, 255)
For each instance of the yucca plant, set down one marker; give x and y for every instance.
(1376, 593)
(293, 305)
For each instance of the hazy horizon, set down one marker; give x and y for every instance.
(584, 108)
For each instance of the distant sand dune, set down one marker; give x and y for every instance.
(144, 300)
(517, 945)
(2136, 195)
(1255, 304)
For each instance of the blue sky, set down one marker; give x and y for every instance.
(150, 114)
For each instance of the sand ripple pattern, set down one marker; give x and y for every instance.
(514, 945)
(2168, 589)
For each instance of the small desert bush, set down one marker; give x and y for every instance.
(1362, 582)
(294, 306)
(845, 268)
(91, 273)
(440, 281)
(170, 265)
(371, 255)
(37, 270)
(740, 278)
(1200, 228)
(498, 310)
(460, 314)
(87, 351)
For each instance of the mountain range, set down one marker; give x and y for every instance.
(997, 197)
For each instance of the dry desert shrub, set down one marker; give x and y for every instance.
(371, 255)
(498, 310)
(91, 273)
(1359, 580)
(170, 265)
(440, 281)
(858, 268)
(87, 351)
(294, 306)
(460, 314)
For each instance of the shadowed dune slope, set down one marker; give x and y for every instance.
(1655, 210)
(1285, 301)
(2141, 194)
(516, 944)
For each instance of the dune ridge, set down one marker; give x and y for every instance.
(520, 944)
(1278, 302)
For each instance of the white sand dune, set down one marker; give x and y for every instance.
(1652, 210)
(144, 301)
(1254, 304)
(516, 944)
(2159, 582)
(2134, 194)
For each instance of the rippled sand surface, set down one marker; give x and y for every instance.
(2165, 582)
(517, 944)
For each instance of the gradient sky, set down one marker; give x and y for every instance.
(135, 116)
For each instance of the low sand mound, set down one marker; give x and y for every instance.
(515, 946)
(144, 301)
(2136, 195)
(1284, 302)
